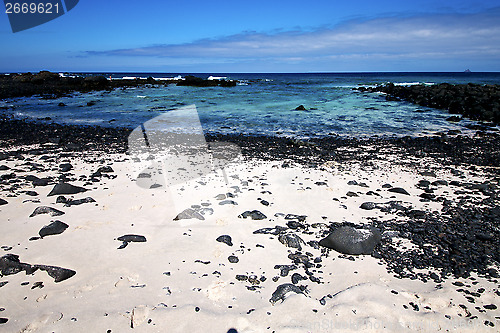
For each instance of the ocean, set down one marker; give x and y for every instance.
(262, 104)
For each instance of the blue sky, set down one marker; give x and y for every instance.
(260, 36)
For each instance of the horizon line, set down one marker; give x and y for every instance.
(309, 72)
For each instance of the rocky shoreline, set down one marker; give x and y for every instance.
(479, 152)
(52, 85)
(474, 101)
(367, 200)
(18, 132)
(482, 149)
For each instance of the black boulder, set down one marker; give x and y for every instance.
(226, 239)
(65, 188)
(54, 228)
(349, 240)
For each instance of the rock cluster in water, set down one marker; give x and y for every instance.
(52, 85)
(474, 101)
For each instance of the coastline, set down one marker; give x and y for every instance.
(474, 101)
(249, 108)
(436, 264)
(481, 148)
(53, 85)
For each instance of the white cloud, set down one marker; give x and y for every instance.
(472, 36)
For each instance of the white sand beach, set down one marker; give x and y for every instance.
(181, 280)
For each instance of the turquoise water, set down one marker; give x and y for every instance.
(263, 104)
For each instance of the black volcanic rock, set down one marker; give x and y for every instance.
(51, 85)
(125, 239)
(54, 228)
(295, 225)
(226, 239)
(368, 205)
(296, 278)
(190, 80)
(300, 218)
(58, 273)
(65, 188)
(282, 291)
(254, 215)
(285, 269)
(241, 277)
(454, 118)
(68, 203)
(398, 190)
(189, 213)
(46, 210)
(132, 238)
(105, 169)
(10, 264)
(65, 167)
(96, 79)
(272, 231)
(41, 182)
(44, 76)
(233, 259)
(423, 184)
(474, 101)
(291, 240)
(349, 240)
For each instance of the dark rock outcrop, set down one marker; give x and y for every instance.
(349, 240)
(195, 81)
(52, 85)
(474, 101)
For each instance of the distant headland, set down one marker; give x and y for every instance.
(53, 85)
